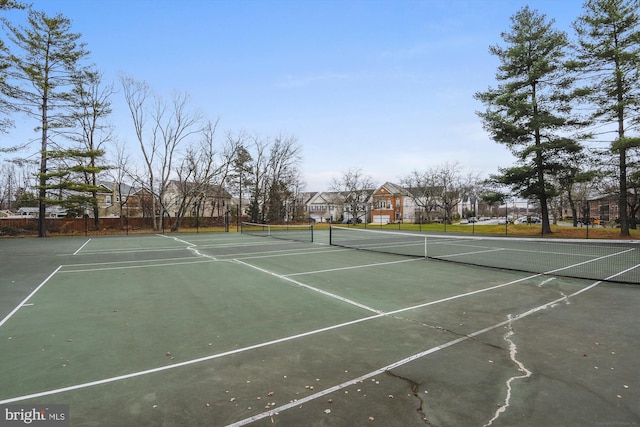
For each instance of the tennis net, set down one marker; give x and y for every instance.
(607, 260)
(298, 233)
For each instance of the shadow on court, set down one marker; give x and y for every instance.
(226, 329)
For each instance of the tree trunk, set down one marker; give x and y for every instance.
(622, 199)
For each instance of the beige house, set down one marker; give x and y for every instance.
(188, 199)
(325, 206)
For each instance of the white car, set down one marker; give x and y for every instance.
(528, 220)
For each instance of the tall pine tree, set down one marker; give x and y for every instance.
(91, 107)
(529, 110)
(45, 58)
(608, 58)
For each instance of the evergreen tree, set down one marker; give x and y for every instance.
(6, 107)
(608, 57)
(90, 109)
(529, 111)
(240, 178)
(68, 180)
(41, 76)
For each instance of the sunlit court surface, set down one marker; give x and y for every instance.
(230, 329)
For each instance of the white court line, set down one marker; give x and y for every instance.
(8, 316)
(244, 349)
(199, 260)
(130, 250)
(394, 365)
(185, 363)
(309, 333)
(201, 255)
(80, 248)
(176, 239)
(130, 261)
(492, 248)
(595, 259)
(331, 270)
(285, 252)
(303, 285)
(484, 251)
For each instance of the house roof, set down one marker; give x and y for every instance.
(393, 189)
(326, 197)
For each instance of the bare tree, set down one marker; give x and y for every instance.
(258, 179)
(455, 187)
(8, 185)
(423, 187)
(119, 174)
(200, 176)
(266, 170)
(169, 126)
(441, 188)
(282, 177)
(356, 188)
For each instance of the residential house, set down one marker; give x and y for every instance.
(326, 206)
(191, 199)
(122, 200)
(392, 203)
(299, 212)
(106, 200)
(357, 206)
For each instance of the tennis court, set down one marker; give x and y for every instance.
(230, 329)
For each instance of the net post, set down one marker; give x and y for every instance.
(311, 233)
(330, 231)
(425, 247)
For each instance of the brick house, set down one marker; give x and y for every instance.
(392, 203)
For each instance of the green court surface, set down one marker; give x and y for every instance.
(225, 329)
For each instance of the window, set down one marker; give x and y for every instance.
(107, 200)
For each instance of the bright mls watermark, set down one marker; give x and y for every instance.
(34, 415)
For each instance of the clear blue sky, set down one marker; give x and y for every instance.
(384, 86)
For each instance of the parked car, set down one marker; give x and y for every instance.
(529, 220)
(352, 221)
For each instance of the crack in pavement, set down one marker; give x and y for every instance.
(451, 331)
(414, 391)
(513, 351)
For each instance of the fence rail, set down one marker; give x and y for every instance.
(29, 226)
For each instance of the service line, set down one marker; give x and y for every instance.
(80, 248)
